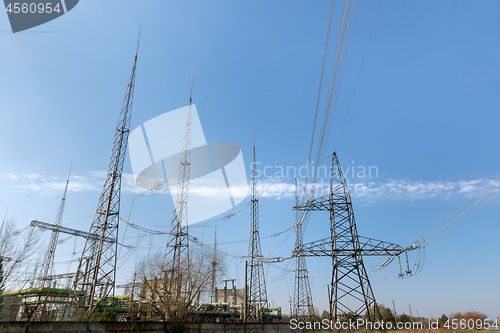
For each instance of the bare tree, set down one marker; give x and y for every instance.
(18, 260)
(474, 315)
(160, 292)
(18, 250)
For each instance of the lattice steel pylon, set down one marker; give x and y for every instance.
(349, 278)
(177, 250)
(350, 294)
(47, 269)
(302, 300)
(95, 276)
(213, 296)
(257, 295)
(48, 261)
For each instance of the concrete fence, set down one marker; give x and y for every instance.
(138, 327)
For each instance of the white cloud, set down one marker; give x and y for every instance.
(46, 184)
(408, 189)
(369, 191)
(49, 185)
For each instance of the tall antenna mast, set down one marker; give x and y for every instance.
(257, 295)
(95, 276)
(213, 296)
(47, 270)
(177, 251)
(48, 262)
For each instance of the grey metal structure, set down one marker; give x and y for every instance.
(213, 295)
(96, 272)
(302, 299)
(69, 231)
(257, 295)
(177, 250)
(350, 294)
(46, 276)
(48, 261)
(58, 276)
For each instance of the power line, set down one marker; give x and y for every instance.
(359, 74)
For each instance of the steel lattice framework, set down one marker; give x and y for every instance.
(302, 300)
(351, 294)
(47, 270)
(214, 271)
(177, 250)
(257, 295)
(69, 231)
(96, 272)
(48, 261)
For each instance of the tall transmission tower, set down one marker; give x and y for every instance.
(95, 276)
(350, 295)
(302, 300)
(257, 295)
(47, 270)
(177, 250)
(48, 261)
(349, 277)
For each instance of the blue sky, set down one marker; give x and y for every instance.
(424, 112)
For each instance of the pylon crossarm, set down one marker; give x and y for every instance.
(367, 247)
(270, 260)
(57, 276)
(324, 203)
(69, 231)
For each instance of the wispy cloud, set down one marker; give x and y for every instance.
(48, 184)
(408, 189)
(369, 191)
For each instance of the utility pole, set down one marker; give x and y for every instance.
(95, 276)
(395, 315)
(257, 286)
(132, 295)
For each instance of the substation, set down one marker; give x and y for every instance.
(171, 292)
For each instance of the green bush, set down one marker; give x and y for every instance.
(81, 315)
(107, 315)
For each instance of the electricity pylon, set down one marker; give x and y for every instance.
(302, 300)
(257, 295)
(48, 261)
(47, 270)
(95, 276)
(350, 295)
(176, 258)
